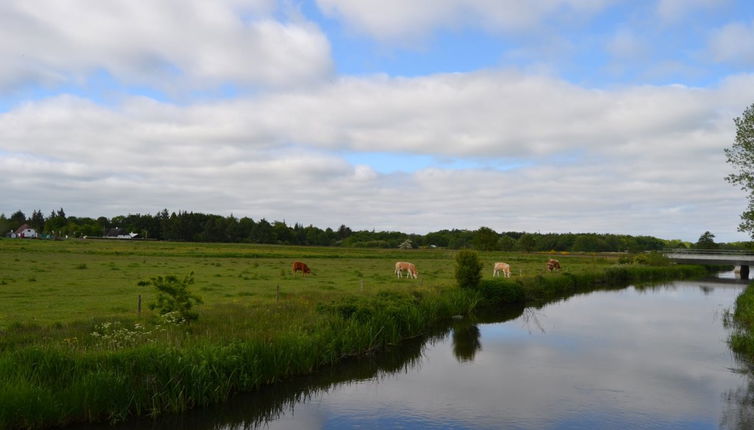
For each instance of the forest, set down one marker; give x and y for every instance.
(185, 226)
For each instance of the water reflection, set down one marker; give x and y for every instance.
(653, 357)
(270, 403)
(466, 341)
(738, 413)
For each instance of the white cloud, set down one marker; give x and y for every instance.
(734, 43)
(673, 10)
(169, 44)
(619, 160)
(625, 44)
(393, 20)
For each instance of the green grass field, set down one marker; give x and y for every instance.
(74, 349)
(48, 282)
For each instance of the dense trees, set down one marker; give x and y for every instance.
(741, 156)
(199, 227)
(706, 241)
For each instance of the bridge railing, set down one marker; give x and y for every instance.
(707, 251)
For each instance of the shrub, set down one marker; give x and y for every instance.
(174, 296)
(468, 269)
(652, 259)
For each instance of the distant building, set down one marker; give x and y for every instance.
(25, 232)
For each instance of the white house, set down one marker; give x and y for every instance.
(26, 232)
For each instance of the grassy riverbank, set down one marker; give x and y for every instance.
(742, 320)
(73, 349)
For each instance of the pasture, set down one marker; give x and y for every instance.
(61, 282)
(74, 349)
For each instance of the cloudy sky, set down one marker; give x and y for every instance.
(542, 115)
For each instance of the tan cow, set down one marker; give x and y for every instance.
(553, 264)
(298, 266)
(409, 268)
(502, 267)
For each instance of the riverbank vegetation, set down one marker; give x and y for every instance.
(74, 347)
(741, 319)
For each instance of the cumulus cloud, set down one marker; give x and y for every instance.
(393, 20)
(169, 44)
(640, 160)
(734, 43)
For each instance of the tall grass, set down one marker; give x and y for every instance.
(542, 289)
(742, 321)
(54, 385)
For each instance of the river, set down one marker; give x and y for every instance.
(650, 358)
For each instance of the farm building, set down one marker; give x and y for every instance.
(25, 232)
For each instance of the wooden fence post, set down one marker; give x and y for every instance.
(138, 306)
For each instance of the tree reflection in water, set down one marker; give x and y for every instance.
(466, 341)
(738, 412)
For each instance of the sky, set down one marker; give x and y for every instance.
(605, 116)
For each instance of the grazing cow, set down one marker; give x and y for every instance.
(298, 266)
(409, 268)
(502, 267)
(553, 264)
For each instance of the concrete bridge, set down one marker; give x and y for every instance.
(743, 259)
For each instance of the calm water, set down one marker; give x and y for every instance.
(650, 358)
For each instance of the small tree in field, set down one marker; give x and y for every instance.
(468, 269)
(174, 296)
(406, 244)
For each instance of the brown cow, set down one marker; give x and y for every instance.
(409, 268)
(298, 266)
(502, 267)
(553, 264)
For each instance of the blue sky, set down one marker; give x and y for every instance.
(551, 115)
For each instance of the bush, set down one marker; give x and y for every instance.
(652, 259)
(501, 291)
(468, 269)
(174, 296)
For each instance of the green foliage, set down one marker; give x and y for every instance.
(741, 156)
(647, 259)
(198, 227)
(652, 259)
(706, 241)
(468, 271)
(485, 239)
(174, 296)
(742, 321)
(506, 243)
(526, 242)
(16, 220)
(501, 291)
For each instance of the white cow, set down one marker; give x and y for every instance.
(502, 267)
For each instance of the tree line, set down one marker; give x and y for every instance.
(199, 227)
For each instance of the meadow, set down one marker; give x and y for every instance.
(49, 282)
(73, 347)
